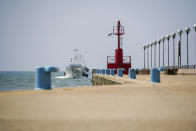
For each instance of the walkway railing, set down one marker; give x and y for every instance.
(165, 42)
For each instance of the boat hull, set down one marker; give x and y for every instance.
(73, 72)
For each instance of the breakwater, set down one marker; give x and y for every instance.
(106, 79)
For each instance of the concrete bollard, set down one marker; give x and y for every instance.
(43, 77)
(161, 69)
(99, 71)
(154, 75)
(120, 72)
(103, 71)
(137, 70)
(107, 71)
(132, 73)
(95, 71)
(112, 72)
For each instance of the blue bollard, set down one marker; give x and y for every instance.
(154, 75)
(99, 71)
(103, 71)
(132, 73)
(112, 72)
(96, 71)
(107, 71)
(161, 69)
(137, 70)
(43, 77)
(120, 72)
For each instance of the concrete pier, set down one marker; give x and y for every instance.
(134, 104)
(103, 80)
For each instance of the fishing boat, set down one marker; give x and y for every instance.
(77, 67)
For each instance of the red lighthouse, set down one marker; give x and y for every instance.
(119, 61)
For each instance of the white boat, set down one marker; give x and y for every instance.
(77, 67)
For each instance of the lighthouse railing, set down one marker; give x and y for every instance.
(110, 59)
(127, 59)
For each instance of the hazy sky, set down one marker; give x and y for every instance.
(46, 32)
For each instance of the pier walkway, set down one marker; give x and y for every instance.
(138, 106)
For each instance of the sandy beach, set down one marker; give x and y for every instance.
(169, 105)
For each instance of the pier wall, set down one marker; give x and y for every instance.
(102, 80)
(98, 79)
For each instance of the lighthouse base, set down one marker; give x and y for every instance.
(111, 64)
(116, 66)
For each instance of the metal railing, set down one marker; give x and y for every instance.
(126, 59)
(177, 67)
(165, 41)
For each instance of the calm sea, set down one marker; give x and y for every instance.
(15, 80)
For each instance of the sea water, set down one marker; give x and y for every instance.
(25, 80)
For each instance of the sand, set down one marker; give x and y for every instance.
(169, 105)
